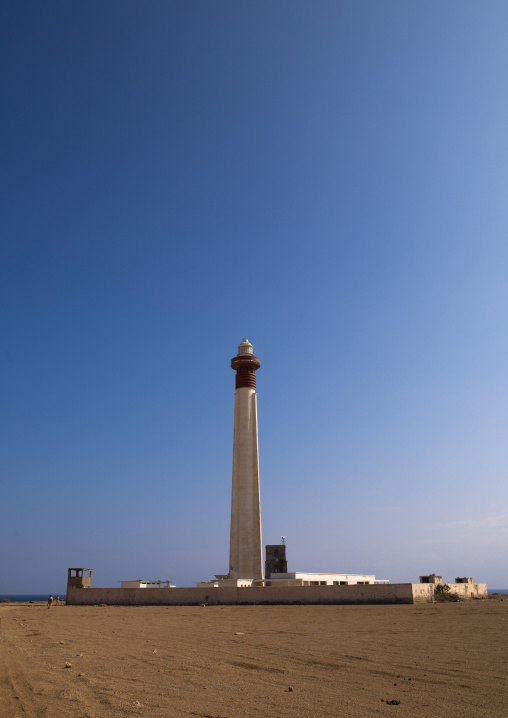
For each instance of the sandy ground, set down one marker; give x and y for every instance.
(227, 661)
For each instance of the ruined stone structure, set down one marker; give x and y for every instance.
(431, 578)
(79, 577)
(465, 588)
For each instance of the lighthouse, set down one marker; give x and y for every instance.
(245, 550)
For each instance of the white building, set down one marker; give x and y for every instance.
(321, 579)
(232, 582)
(299, 579)
(145, 584)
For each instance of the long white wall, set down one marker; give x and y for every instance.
(382, 593)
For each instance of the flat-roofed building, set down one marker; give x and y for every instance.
(320, 579)
(145, 584)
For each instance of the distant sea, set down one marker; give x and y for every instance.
(18, 598)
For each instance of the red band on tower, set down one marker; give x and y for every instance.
(245, 365)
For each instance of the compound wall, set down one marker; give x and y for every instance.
(468, 591)
(231, 595)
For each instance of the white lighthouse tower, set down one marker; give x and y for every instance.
(245, 550)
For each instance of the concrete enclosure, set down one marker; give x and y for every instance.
(278, 594)
(230, 595)
(245, 583)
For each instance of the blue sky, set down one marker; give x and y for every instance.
(327, 179)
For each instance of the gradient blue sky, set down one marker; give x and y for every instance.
(328, 179)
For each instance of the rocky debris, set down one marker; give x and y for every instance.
(68, 665)
(290, 689)
(393, 703)
(238, 633)
(443, 593)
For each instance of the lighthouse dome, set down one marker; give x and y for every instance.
(245, 347)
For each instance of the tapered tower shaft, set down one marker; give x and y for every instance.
(245, 549)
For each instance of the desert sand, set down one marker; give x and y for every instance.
(227, 661)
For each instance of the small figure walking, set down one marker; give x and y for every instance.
(50, 602)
